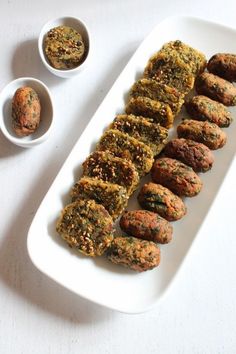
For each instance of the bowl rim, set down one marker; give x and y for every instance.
(41, 50)
(19, 141)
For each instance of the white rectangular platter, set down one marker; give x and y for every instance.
(97, 279)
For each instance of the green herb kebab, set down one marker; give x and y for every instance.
(64, 47)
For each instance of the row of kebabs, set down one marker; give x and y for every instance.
(182, 158)
(126, 152)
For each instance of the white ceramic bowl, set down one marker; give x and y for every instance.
(45, 127)
(79, 26)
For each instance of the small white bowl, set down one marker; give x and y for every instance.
(45, 127)
(79, 26)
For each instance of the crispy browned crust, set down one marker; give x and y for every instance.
(223, 65)
(103, 165)
(130, 252)
(216, 88)
(170, 70)
(194, 154)
(204, 108)
(175, 175)
(144, 130)
(161, 200)
(126, 147)
(195, 60)
(160, 92)
(86, 226)
(112, 196)
(146, 225)
(64, 47)
(26, 111)
(203, 132)
(160, 112)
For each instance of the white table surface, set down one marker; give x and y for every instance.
(38, 316)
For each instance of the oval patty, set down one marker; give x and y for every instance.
(203, 132)
(175, 175)
(204, 108)
(139, 255)
(146, 225)
(194, 154)
(216, 88)
(161, 200)
(223, 65)
(26, 110)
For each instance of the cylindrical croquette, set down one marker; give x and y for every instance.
(194, 154)
(223, 65)
(216, 88)
(161, 200)
(204, 108)
(146, 225)
(130, 252)
(26, 111)
(203, 132)
(175, 175)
